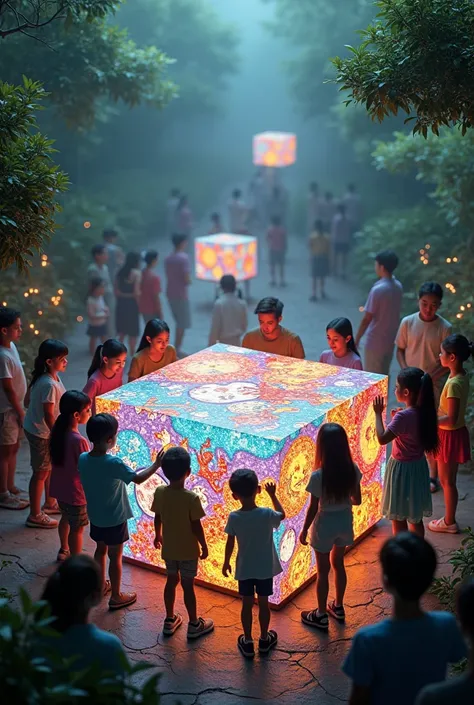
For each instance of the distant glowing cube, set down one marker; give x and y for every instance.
(233, 408)
(274, 149)
(216, 255)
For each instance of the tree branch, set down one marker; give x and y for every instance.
(28, 24)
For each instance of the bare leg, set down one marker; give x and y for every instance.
(321, 288)
(399, 526)
(35, 489)
(272, 272)
(433, 464)
(100, 555)
(63, 530)
(418, 528)
(48, 500)
(322, 581)
(447, 477)
(263, 616)
(115, 569)
(11, 460)
(6, 455)
(179, 339)
(337, 563)
(170, 594)
(246, 616)
(314, 294)
(282, 274)
(189, 597)
(75, 540)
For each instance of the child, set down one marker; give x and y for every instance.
(341, 233)
(276, 238)
(257, 560)
(454, 446)
(319, 249)
(12, 413)
(334, 488)
(104, 478)
(42, 399)
(457, 690)
(97, 313)
(149, 302)
(71, 592)
(229, 315)
(66, 445)
(106, 370)
(391, 661)
(178, 279)
(343, 352)
(414, 432)
(179, 533)
(216, 225)
(238, 214)
(154, 351)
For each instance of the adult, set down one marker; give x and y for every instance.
(127, 292)
(115, 260)
(314, 206)
(178, 279)
(229, 315)
(172, 211)
(98, 269)
(352, 203)
(184, 217)
(381, 315)
(278, 205)
(150, 303)
(341, 232)
(327, 210)
(257, 199)
(270, 336)
(238, 213)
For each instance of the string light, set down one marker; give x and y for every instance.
(87, 224)
(4, 303)
(79, 319)
(32, 325)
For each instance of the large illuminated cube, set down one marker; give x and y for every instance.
(216, 255)
(233, 408)
(274, 149)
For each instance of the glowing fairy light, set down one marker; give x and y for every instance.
(455, 259)
(26, 294)
(448, 260)
(87, 224)
(468, 305)
(40, 313)
(459, 315)
(427, 246)
(463, 308)
(44, 263)
(36, 332)
(32, 325)
(4, 303)
(79, 319)
(60, 291)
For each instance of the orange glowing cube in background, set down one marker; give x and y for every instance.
(234, 408)
(274, 149)
(216, 255)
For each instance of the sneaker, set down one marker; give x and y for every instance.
(41, 521)
(171, 624)
(246, 648)
(337, 611)
(201, 627)
(125, 599)
(313, 619)
(63, 555)
(51, 509)
(440, 526)
(10, 501)
(264, 645)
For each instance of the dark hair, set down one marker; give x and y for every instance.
(49, 349)
(111, 348)
(270, 305)
(387, 259)
(94, 284)
(177, 239)
(150, 256)
(183, 199)
(132, 261)
(109, 234)
(236, 193)
(101, 427)
(341, 208)
(334, 457)
(176, 463)
(343, 326)
(228, 283)
(97, 250)
(459, 346)
(420, 386)
(276, 220)
(465, 606)
(243, 482)
(431, 289)
(8, 316)
(215, 216)
(319, 226)
(154, 327)
(408, 564)
(71, 402)
(72, 590)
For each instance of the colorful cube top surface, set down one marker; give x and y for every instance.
(226, 239)
(274, 149)
(267, 396)
(216, 255)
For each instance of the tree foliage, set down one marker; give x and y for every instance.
(20, 17)
(418, 57)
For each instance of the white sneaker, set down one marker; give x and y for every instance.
(202, 626)
(41, 521)
(440, 526)
(11, 501)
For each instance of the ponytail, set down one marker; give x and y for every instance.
(420, 386)
(48, 350)
(111, 348)
(154, 327)
(459, 346)
(71, 402)
(343, 326)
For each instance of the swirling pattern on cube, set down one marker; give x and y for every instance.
(216, 255)
(274, 149)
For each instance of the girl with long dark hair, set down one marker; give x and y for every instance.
(106, 371)
(334, 488)
(414, 432)
(127, 292)
(65, 445)
(42, 399)
(154, 351)
(343, 351)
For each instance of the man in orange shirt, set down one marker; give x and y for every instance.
(271, 337)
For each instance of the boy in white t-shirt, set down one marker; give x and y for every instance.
(257, 561)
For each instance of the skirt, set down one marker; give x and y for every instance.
(127, 317)
(454, 446)
(406, 492)
(319, 266)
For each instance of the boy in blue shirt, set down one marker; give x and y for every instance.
(257, 560)
(390, 662)
(104, 479)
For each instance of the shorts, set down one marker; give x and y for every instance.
(10, 428)
(39, 453)
(341, 248)
(110, 535)
(97, 331)
(76, 515)
(277, 257)
(454, 445)
(181, 311)
(263, 588)
(332, 529)
(187, 569)
(378, 363)
(319, 266)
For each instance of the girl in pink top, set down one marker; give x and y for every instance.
(414, 432)
(66, 444)
(106, 370)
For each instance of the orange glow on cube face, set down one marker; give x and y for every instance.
(274, 149)
(233, 408)
(216, 255)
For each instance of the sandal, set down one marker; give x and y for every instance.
(107, 588)
(313, 619)
(63, 554)
(51, 509)
(126, 599)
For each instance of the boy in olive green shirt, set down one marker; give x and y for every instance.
(179, 533)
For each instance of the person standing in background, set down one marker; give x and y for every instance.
(229, 315)
(278, 205)
(178, 279)
(216, 225)
(319, 247)
(277, 244)
(149, 302)
(257, 199)
(381, 315)
(98, 269)
(238, 214)
(127, 291)
(327, 211)
(341, 230)
(115, 254)
(353, 206)
(314, 203)
(184, 222)
(172, 211)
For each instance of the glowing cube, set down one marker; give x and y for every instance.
(233, 408)
(274, 149)
(216, 255)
